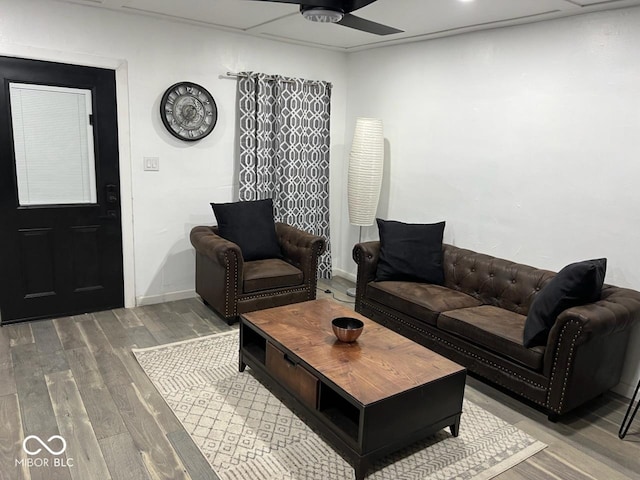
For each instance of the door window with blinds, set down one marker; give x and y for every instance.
(53, 144)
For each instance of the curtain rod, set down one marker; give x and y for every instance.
(269, 77)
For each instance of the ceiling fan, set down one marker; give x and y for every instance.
(339, 11)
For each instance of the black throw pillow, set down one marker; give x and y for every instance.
(249, 225)
(410, 252)
(576, 284)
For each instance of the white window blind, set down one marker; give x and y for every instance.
(53, 143)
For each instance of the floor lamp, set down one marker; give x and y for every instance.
(365, 175)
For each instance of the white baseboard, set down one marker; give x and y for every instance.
(164, 297)
(342, 273)
(624, 389)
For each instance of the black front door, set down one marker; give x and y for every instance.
(61, 236)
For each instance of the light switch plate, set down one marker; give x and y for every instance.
(152, 164)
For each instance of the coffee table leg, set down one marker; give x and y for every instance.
(361, 468)
(455, 428)
(241, 364)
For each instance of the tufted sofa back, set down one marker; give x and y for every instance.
(492, 280)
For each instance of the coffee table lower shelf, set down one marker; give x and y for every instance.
(359, 433)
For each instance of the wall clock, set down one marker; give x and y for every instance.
(188, 111)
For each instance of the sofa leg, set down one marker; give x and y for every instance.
(231, 320)
(553, 417)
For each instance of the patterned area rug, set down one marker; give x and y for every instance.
(247, 433)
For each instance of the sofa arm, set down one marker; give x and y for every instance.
(366, 256)
(207, 242)
(585, 351)
(219, 266)
(617, 310)
(301, 249)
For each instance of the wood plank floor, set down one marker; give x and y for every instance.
(76, 377)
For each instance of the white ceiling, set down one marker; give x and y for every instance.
(420, 19)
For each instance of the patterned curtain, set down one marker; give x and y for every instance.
(284, 150)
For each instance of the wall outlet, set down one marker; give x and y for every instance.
(151, 164)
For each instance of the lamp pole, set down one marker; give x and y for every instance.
(352, 291)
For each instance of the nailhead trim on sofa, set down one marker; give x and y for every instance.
(262, 295)
(555, 364)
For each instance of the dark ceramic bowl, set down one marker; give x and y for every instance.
(347, 329)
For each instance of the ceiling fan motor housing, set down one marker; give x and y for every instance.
(322, 14)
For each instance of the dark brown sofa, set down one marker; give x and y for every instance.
(477, 319)
(232, 286)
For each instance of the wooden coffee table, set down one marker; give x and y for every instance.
(368, 398)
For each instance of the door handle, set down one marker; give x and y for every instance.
(111, 201)
(112, 194)
(110, 215)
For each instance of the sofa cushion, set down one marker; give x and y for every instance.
(494, 328)
(576, 284)
(411, 252)
(269, 273)
(249, 225)
(423, 301)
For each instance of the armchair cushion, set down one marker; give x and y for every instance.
(410, 252)
(269, 274)
(249, 225)
(576, 284)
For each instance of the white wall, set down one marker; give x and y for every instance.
(155, 54)
(524, 139)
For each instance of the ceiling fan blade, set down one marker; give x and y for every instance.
(347, 6)
(309, 3)
(353, 5)
(358, 23)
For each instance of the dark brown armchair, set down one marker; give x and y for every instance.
(231, 285)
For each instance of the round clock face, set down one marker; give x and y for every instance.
(188, 111)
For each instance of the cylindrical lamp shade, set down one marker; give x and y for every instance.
(365, 171)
